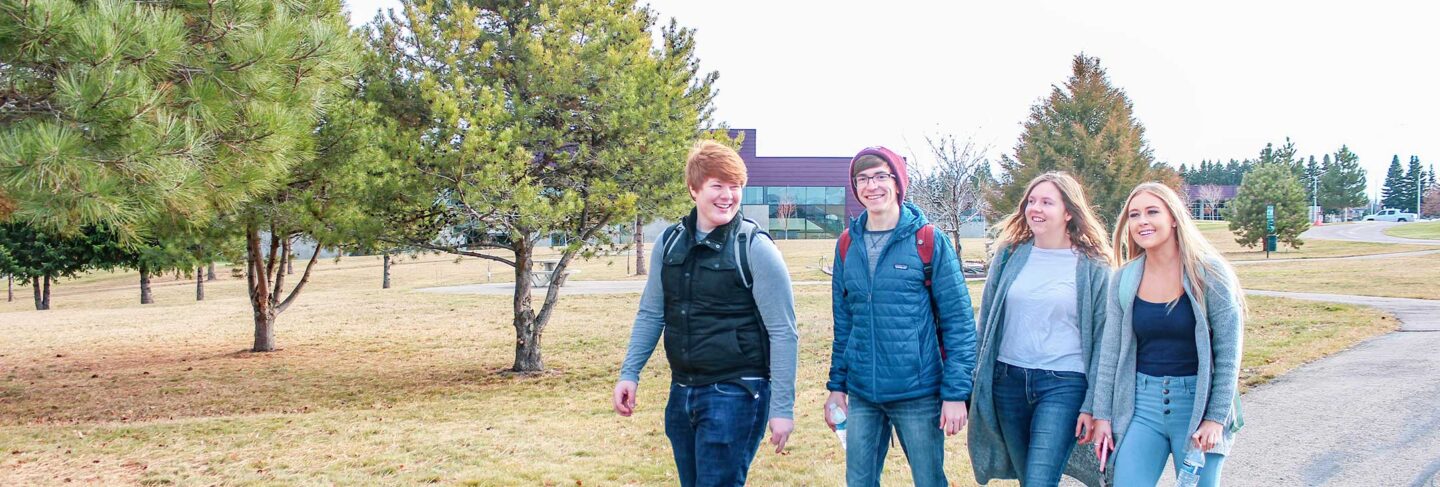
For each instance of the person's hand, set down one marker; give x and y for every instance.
(1207, 436)
(1104, 441)
(780, 429)
(1084, 429)
(624, 400)
(838, 399)
(953, 416)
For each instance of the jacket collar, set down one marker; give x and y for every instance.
(911, 219)
(716, 240)
(1129, 281)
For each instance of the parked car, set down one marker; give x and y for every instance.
(1392, 215)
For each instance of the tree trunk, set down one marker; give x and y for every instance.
(9, 288)
(527, 328)
(385, 282)
(210, 273)
(145, 295)
(640, 246)
(260, 269)
(290, 259)
(264, 331)
(199, 284)
(45, 301)
(257, 274)
(35, 286)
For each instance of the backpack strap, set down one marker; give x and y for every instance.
(668, 239)
(844, 244)
(745, 234)
(925, 243)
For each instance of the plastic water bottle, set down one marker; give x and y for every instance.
(837, 416)
(1190, 468)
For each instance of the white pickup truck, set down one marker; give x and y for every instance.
(1392, 215)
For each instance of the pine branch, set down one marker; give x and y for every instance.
(304, 278)
(467, 253)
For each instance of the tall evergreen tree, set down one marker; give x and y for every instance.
(1342, 182)
(1392, 194)
(1087, 128)
(1269, 184)
(1415, 182)
(1312, 180)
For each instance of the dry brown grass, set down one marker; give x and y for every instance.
(1399, 277)
(400, 387)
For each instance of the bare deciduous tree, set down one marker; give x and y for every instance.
(785, 211)
(951, 189)
(1209, 196)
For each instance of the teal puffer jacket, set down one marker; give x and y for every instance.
(885, 347)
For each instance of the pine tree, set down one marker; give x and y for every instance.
(1342, 182)
(41, 256)
(1268, 184)
(558, 117)
(1392, 195)
(1086, 128)
(1312, 180)
(1414, 184)
(119, 113)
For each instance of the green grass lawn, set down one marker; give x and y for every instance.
(1421, 230)
(401, 387)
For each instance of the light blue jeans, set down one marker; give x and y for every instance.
(1160, 429)
(917, 422)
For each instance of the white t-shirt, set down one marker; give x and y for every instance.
(1042, 326)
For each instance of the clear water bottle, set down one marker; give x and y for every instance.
(837, 416)
(1190, 468)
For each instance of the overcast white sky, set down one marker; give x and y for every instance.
(1209, 80)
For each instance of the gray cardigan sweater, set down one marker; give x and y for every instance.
(1219, 331)
(988, 455)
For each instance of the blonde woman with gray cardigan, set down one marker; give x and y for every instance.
(1170, 351)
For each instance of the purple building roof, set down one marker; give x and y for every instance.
(1227, 192)
(798, 170)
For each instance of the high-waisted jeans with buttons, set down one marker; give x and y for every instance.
(1160, 429)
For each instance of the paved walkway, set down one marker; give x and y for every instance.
(1362, 232)
(1416, 253)
(1366, 416)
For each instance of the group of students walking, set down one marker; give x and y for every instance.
(1126, 343)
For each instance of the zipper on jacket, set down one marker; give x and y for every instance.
(870, 296)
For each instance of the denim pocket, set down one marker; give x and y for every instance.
(1066, 375)
(733, 389)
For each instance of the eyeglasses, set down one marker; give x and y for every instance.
(879, 178)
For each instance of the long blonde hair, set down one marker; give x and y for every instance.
(1086, 232)
(1196, 252)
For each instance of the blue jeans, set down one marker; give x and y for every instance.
(1037, 410)
(1159, 429)
(867, 440)
(715, 430)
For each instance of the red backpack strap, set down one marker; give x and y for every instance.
(844, 244)
(925, 244)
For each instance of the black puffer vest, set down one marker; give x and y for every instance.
(713, 330)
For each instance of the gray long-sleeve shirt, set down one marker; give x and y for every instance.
(773, 296)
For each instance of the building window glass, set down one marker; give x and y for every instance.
(754, 195)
